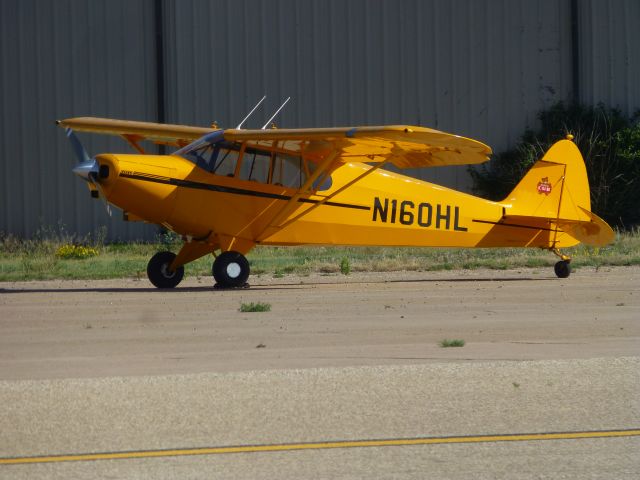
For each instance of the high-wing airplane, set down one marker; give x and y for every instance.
(226, 191)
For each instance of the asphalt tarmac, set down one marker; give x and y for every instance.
(343, 378)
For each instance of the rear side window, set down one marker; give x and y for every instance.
(288, 171)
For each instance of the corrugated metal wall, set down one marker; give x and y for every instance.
(479, 68)
(610, 53)
(60, 59)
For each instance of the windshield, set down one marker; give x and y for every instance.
(204, 151)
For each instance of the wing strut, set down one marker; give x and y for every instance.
(292, 204)
(133, 140)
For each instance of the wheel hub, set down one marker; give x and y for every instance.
(166, 273)
(233, 270)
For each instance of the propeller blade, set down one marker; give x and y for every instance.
(86, 167)
(78, 148)
(102, 196)
(104, 200)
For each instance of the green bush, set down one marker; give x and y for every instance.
(609, 142)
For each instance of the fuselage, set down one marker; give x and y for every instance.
(383, 208)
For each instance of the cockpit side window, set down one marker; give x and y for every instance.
(256, 165)
(226, 161)
(288, 171)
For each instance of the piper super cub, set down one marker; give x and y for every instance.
(227, 190)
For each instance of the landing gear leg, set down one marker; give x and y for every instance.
(563, 267)
(230, 270)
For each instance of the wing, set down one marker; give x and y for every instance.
(404, 146)
(164, 134)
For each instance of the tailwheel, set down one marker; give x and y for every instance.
(159, 273)
(562, 269)
(230, 270)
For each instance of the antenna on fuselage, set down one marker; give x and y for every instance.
(249, 114)
(274, 115)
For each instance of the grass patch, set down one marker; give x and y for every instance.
(452, 343)
(36, 259)
(255, 307)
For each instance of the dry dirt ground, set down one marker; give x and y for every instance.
(59, 329)
(119, 367)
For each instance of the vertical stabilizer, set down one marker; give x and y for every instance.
(554, 195)
(555, 188)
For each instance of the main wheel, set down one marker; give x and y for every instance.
(159, 273)
(562, 269)
(230, 269)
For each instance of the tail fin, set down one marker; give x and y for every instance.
(556, 192)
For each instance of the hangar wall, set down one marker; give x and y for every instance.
(479, 68)
(61, 59)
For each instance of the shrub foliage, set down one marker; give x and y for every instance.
(609, 142)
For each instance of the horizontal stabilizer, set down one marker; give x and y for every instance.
(595, 233)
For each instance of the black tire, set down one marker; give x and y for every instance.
(158, 270)
(230, 269)
(562, 269)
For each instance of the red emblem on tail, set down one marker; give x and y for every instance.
(544, 186)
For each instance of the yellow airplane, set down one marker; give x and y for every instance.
(226, 191)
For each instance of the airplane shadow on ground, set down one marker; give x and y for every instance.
(281, 286)
(139, 290)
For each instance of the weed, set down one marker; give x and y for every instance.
(168, 240)
(345, 267)
(255, 307)
(452, 343)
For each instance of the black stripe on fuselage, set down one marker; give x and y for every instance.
(516, 226)
(236, 191)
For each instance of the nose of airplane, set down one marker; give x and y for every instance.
(87, 170)
(106, 168)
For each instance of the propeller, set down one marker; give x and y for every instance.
(87, 168)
